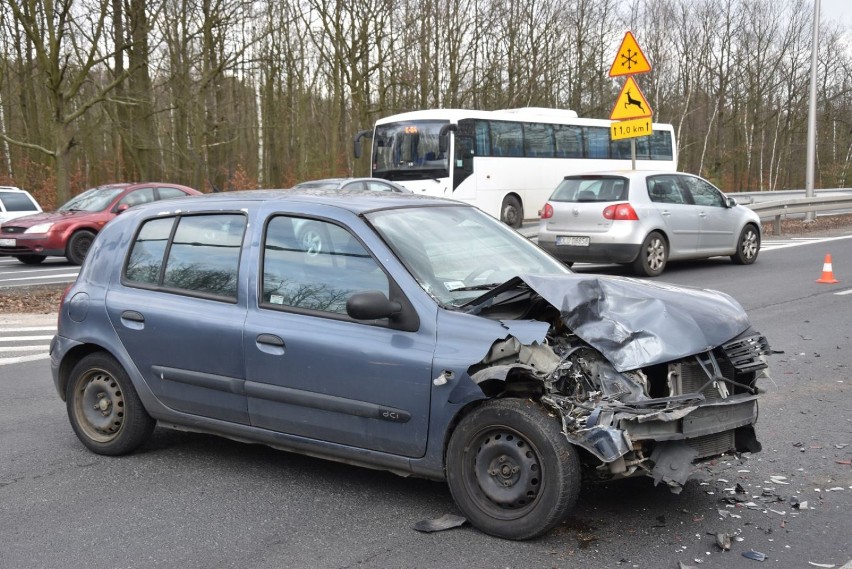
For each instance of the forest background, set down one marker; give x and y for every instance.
(238, 94)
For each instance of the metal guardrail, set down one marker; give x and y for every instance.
(792, 206)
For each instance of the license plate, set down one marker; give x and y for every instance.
(7, 242)
(570, 240)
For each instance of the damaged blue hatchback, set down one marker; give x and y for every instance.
(411, 334)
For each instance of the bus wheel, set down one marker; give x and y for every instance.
(512, 213)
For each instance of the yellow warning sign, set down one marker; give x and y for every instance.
(630, 129)
(630, 103)
(629, 60)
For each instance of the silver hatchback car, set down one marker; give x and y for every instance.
(644, 219)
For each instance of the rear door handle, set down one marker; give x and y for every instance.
(270, 344)
(132, 316)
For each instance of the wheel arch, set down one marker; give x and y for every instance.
(72, 358)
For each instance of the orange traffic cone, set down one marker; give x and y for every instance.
(827, 273)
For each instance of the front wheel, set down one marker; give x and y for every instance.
(511, 470)
(652, 256)
(78, 246)
(103, 407)
(512, 212)
(748, 246)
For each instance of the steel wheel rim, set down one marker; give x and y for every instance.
(656, 254)
(749, 247)
(503, 473)
(81, 247)
(99, 406)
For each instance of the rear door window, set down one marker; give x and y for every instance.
(591, 189)
(197, 255)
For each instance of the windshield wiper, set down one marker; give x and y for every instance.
(487, 299)
(488, 286)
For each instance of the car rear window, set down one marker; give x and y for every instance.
(585, 189)
(13, 201)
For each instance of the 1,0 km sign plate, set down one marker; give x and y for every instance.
(630, 129)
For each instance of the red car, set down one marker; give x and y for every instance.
(69, 231)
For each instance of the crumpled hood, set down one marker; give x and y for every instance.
(636, 323)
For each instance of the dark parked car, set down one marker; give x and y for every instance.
(424, 337)
(69, 231)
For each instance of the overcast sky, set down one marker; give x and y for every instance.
(840, 10)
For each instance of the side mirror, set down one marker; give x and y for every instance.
(121, 208)
(730, 202)
(371, 305)
(443, 139)
(356, 141)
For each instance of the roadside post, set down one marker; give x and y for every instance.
(631, 114)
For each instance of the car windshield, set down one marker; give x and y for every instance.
(458, 253)
(96, 199)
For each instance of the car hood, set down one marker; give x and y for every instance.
(636, 323)
(48, 217)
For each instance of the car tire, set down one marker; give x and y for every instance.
(512, 212)
(104, 409)
(511, 470)
(78, 246)
(30, 259)
(653, 255)
(748, 246)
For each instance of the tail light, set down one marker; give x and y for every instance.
(547, 212)
(620, 212)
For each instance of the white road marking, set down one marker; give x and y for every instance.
(42, 277)
(22, 338)
(29, 329)
(22, 348)
(22, 359)
(773, 244)
(843, 292)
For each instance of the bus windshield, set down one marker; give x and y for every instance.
(409, 150)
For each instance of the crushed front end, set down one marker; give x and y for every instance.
(656, 417)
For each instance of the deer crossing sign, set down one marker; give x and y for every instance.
(630, 103)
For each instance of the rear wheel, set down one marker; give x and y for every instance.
(512, 212)
(78, 246)
(511, 470)
(30, 259)
(103, 407)
(748, 246)
(652, 256)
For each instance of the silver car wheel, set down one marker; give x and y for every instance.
(749, 245)
(656, 254)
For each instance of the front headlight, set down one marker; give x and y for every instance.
(40, 228)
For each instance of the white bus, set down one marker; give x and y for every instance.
(505, 162)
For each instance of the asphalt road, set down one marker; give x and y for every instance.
(189, 500)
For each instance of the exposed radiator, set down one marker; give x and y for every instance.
(713, 445)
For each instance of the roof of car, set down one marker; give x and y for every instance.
(355, 201)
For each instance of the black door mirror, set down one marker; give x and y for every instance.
(371, 305)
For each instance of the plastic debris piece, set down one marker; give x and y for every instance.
(826, 565)
(723, 541)
(447, 521)
(756, 555)
(682, 565)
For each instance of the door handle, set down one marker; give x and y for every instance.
(133, 320)
(270, 344)
(270, 340)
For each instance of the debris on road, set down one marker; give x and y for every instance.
(445, 522)
(756, 555)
